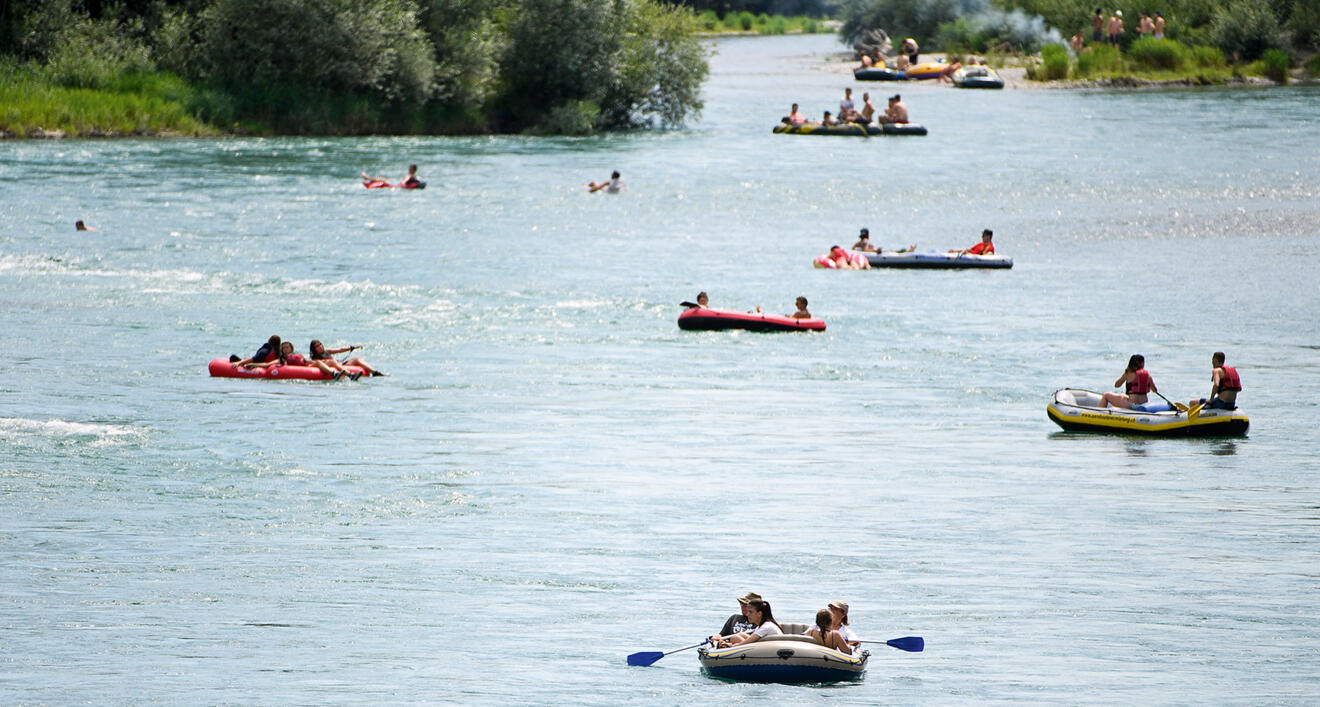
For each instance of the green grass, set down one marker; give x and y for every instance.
(745, 22)
(1148, 59)
(132, 104)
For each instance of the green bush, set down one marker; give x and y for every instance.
(811, 27)
(762, 20)
(568, 118)
(745, 21)
(709, 20)
(778, 25)
(1313, 65)
(1151, 53)
(1245, 29)
(1304, 23)
(1277, 63)
(1207, 57)
(1101, 59)
(1054, 62)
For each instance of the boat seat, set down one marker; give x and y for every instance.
(793, 628)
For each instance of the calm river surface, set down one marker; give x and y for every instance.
(555, 476)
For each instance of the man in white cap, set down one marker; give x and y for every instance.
(1115, 27)
(839, 621)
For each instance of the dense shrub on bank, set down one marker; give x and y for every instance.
(1054, 62)
(1152, 53)
(355, 66)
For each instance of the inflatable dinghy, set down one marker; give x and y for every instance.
(786, 658)
(703, 319)
(382, 184)
(852, 129)
(941, 261)
(1078, 410)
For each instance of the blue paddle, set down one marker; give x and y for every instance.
(648, 657)
(911, 644)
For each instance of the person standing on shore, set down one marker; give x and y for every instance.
(1147, 27)
(1077, 43)
(1115, 27)
(1098, 27)
(910, 48)
(1159, 25)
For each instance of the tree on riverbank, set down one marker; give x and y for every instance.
(370, 66)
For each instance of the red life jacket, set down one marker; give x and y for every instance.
(982, 248)
(1140, 383)
(1230, 379)
(295, 359)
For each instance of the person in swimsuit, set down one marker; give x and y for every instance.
(1098, 26)
(910, 49)
(826, 636)
(897, 111)
(1225, 384)
(409, 182)
(828, 121)
(1159, 26)
(868, 110)
(794, 117)
(289, 357)
(1146, 26)
(80, 226)
(864, 242)
(614, 186)
(801, 312)
(320, 353)
(1137, 382)
(1115, 27)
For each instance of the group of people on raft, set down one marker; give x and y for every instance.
(276, 352)
(703, 302)
(844, 260)
(1225, 384)
(755, 621)
(896, 112)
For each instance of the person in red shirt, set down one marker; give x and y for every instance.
(1137, 385)
(1225, 386)
(985, 247)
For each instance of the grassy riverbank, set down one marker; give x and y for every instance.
(710, 23)
(153, 103)
(1151, 60)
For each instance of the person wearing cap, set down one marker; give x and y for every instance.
(864, 242)
(897, 111)
(829, 637)
(758, 612)
(1115, 27)
(739, 623)
(839, 622)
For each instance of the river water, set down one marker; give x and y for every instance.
(555, 476)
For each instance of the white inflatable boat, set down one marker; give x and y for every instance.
(787, 658)
(945, 261)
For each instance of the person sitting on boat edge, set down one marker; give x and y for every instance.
(897, 111)
(738, 623)
(868, 110)
(1137, 385)
(320, 353)
(839, 621)
(267, 352)
(289, 357)
(794, 117)
(828, 121)
(801, 312)
(847, 109)
(1225, 384)
(826, 636)
(758, 612)
(985, 247)
(864, 242)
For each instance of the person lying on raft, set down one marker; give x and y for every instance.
(843, 262)
(826, 636)
(409, 182)
(1225, 384)
(289, 357)
(614, 186)
(1138, 384)
(320, 353)
(268, 351)
(757, 612)
(985, 247)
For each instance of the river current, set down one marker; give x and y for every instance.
(555, 476)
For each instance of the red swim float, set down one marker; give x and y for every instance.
(703, 319)
(222, 368)
(382, 184)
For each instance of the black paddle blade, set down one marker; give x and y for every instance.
(911, 644)
(646, 657)
(687, 304)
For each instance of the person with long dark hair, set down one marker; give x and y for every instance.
(826, 636)
(758, 612)
(1137, 385)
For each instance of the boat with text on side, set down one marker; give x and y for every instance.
(704, 319)
(938, 261)
(851, 129)
(789, 657)
(1077, 410)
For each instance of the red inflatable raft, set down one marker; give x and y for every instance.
(222, 368)
(702, 319)
(382, 184)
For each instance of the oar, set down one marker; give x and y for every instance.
(645, 658)
(1176, 406)
(911, 644)
(1195, 412)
